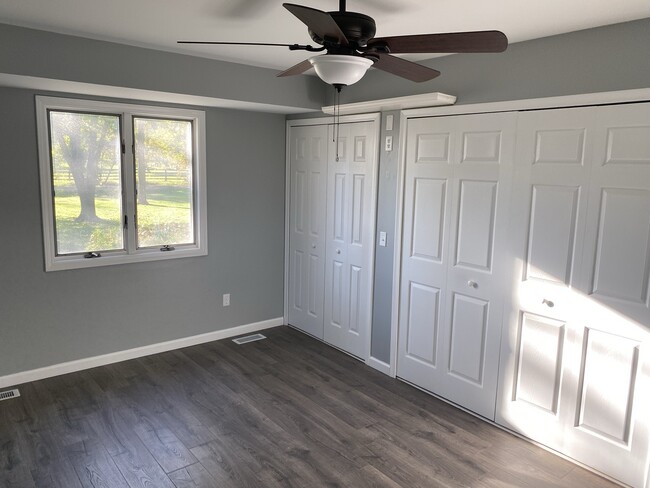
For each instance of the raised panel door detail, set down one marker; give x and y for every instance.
(469, 322)
(539, 361)
(481, 147)
(628, 145)
(432, 148)
(317, 150)
(564, 146)
(622, 261)
(342, 155)
(315, 297)
(552, 233)
(299, 202)
(428, 218)
(358, 188)
(475, 226)
(355, 297)
(339, 207)
(360, 149)
(337, 292)
(297, 280)
(607, 386)
(315, 205)
(301, 149)
(422, 323)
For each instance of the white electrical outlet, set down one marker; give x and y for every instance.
(226, 299)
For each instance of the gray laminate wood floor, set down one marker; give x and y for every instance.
(285, 411)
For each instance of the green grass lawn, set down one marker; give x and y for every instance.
(164, 220)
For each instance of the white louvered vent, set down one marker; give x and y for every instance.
(9, 394)
(250, 338)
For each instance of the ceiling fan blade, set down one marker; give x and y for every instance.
(404, 68)
(321, 23)
(453, 42)
(297, 69)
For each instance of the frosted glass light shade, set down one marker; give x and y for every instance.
(340, 69)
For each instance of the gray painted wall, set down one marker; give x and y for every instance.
(30, 52)
(386, 213)
(48, 318)
(615, 57)
(60, 316)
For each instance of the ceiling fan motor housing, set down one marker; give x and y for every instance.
(358, 29)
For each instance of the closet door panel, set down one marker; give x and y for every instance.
(425, 250)
(457, 179)
(539, 362)
(351, 205)
(610, 396)
(422, 325)
(478, 262)
(475, 225)
(308, 171)
(547, 225)
(574, 360)
(554, 211)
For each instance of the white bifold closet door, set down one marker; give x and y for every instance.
(308, 179)
(575, 366)
(350, 236)
(457, 185)
(332, 232)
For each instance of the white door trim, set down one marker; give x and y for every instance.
(603, 98)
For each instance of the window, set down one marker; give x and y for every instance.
(120, 183)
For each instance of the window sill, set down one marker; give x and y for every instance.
(110, 258)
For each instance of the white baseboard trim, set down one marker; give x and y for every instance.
(378, 365)
(138, 352)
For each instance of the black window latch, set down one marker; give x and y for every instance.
(90, 255)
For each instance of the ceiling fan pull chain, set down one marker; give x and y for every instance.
(337, 118)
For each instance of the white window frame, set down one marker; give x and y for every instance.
(126, 111)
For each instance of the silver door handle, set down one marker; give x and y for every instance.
(338, 251)
(548, 303)
(472, 284)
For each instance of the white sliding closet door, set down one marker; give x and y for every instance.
(350, 231)
(308, 175)
(457, 185)
(575, 361)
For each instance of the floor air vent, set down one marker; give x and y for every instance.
(9, 394)
(250, 338)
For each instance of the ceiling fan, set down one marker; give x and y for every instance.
(350, 45)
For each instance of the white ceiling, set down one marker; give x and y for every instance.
(160, 23)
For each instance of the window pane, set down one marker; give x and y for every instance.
(163, 172)
(87, 179)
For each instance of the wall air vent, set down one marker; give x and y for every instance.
(9, 394)
(250, 338)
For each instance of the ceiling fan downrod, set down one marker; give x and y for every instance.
(342, 5)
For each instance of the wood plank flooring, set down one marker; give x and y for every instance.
(287, 411)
